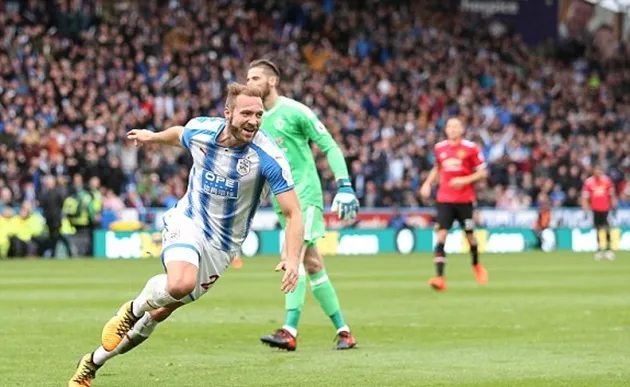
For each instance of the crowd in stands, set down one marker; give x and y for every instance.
(76, 75)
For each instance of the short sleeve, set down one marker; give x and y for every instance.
(586, 190)
(277, 172)
(273, 164)
(478, 161)
(197, 125)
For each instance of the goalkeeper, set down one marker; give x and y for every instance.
(292, 125)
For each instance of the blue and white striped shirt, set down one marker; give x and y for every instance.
(226, 185)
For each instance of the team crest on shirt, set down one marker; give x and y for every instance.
(278, 124)
(243, 167)
(461, 154)
(452, 163)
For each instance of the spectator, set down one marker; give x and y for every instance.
(27, 229)
(113, 176)
(51, 202)
(72, 82)
(77, 207)
(5, 231)
(96, 202)
(398, 220)
(112, 202)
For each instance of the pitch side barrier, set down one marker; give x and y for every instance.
(142, 244)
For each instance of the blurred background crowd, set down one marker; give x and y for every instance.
(382, 75)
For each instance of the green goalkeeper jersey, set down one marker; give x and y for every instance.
(292, 125)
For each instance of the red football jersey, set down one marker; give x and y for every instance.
(599, 190)
(457, 160)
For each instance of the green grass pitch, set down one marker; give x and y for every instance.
(554, 320)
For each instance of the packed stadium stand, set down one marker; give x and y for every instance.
(382, 76)
(473, 227)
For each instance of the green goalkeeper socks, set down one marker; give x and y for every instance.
(325, 294)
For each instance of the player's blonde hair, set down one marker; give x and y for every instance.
(236, 89)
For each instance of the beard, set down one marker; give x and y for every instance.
(265, 90)
(244, 133)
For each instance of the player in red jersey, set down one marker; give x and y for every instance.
(459, 164)
(599, 196)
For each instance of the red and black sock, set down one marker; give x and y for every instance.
(474, 253)
(440, 259)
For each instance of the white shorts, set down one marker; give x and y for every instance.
(182, 241)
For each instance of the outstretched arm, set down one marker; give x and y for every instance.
(171, 136)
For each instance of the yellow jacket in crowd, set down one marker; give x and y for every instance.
(5, 231)
(24, 226)
(29, 227)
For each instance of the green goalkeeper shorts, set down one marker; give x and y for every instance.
(314, 226)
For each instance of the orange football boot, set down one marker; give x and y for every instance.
(438, 283)
(345, 340)
(118, 326)
(281, 339)
(85, 373)
(481, 274)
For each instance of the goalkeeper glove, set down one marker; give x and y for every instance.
(345, 203)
